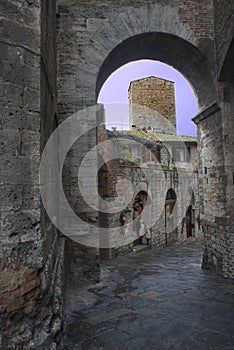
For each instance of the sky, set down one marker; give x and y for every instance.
(114, 94)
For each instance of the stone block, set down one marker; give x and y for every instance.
(30, 143)
(10, 142)
(19, 170)
(21, 35)
(30, 307)
(23, 225)
(10, 197)
(14, 304)
(30, 197)
(28, 11)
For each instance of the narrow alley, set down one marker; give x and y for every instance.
(156, 299)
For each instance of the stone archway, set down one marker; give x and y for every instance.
(100, 40)
(169, 49)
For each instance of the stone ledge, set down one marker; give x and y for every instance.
(206, 113)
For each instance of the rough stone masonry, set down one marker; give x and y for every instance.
(55, 57)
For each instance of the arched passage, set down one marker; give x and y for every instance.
(190, 217)
(167, 48)
(140, 214)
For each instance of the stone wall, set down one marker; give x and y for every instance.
(20, 253)
(212, 181)
(227, 108)
(155, 182)
(20, 133)
(98, 41)
(215, 130)
(31, 252)
(92, 32)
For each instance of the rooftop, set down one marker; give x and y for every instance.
(145, 136)
(151, 77)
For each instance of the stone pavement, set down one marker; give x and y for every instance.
(156, 299)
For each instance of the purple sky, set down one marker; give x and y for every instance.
(115, 90)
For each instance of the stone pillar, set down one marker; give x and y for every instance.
(227, 108)
(212, 189)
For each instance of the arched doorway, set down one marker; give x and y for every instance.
(190, 218)
(140, 215)
(170, 230)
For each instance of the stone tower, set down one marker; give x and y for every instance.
(150, 99)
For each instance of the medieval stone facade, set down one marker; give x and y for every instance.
(149, 167)
(55, 57)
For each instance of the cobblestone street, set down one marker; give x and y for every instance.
(155, 299)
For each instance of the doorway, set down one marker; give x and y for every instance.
(170, 231)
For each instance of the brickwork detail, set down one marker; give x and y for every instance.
(198, 15)
(19, 289)
(224, 26)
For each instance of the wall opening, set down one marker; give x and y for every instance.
(171, 232)
(169, 49)
(140, 211)
(115, 91)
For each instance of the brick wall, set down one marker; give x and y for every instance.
(224, 26)
(20, 289)
(198, 16)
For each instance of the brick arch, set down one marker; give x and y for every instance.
(169, 49)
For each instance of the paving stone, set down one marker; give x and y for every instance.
(174, 308)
